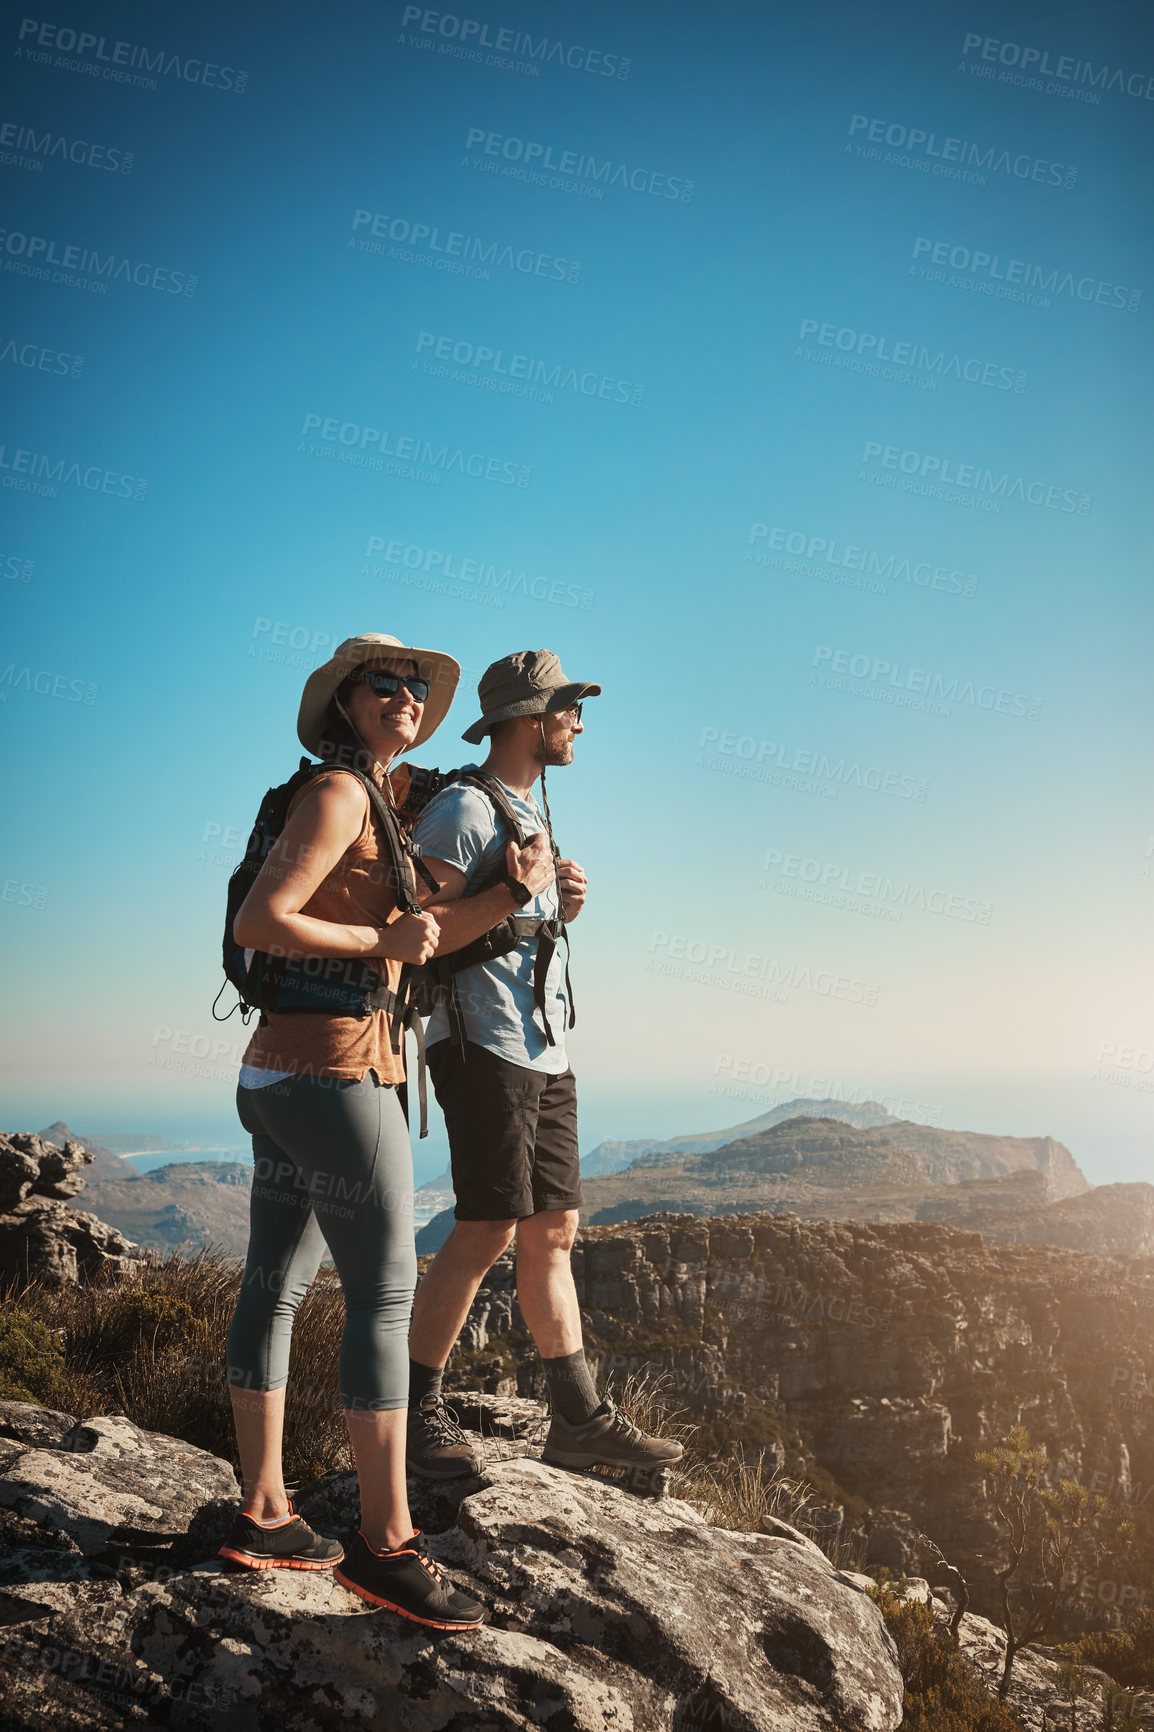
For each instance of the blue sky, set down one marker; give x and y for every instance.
(790, 353)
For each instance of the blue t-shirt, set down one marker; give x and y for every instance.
(461, 827)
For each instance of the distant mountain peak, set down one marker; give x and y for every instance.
(611, 1156)
(58, 1133)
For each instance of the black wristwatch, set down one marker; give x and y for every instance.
(521, 892)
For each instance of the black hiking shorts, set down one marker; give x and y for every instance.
(512, 1134)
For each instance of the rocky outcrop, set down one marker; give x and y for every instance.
(1013, 1190)
(882, 1356)
(1113, 1220)
(41, 1235)
(606, 1610)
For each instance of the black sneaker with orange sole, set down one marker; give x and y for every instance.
(408, 1582)
(291, 1546)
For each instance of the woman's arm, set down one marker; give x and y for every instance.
(325, 823)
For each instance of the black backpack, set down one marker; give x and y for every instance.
(339, 986)
(435, 982)
(329, 985)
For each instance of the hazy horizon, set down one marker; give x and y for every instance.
(1000, 1111)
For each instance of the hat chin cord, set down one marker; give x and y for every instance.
(355, 732)
(553, 848)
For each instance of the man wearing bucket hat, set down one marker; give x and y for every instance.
(499, 1066)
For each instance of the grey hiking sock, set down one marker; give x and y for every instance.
(572, 1391)
(423, 1380)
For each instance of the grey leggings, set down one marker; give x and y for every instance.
(332, 1166)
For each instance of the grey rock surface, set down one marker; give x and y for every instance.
(106, 1482)
(607, 1611)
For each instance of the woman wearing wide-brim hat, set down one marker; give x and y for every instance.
(332, 1163)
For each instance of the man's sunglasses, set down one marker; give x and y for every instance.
(387, 685)
(574, 710)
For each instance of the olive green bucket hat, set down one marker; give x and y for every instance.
(526, 683)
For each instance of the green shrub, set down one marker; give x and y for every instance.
(31, 1362)
(1126, 1654)
(943, 1691)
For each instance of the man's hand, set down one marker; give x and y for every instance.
(574, 887)
(531, 865)
(409, 938)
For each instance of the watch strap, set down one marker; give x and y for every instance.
(521, 893)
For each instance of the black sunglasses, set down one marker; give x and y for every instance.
(573, 710)
(387, 685)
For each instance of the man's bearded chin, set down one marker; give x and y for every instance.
(558, 751)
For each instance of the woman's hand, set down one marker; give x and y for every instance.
(409, 938)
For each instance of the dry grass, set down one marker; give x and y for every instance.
(739, 1492)
(154, 1349)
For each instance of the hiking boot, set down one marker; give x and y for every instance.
(409, 1582)
(291, 1546)
(437, 1448)
(608, 1439)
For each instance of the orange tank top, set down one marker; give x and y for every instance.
(357, 892)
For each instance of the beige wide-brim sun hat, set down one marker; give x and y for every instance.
(441, 671)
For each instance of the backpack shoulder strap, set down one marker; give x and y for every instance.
(400, 849)
(498, 798)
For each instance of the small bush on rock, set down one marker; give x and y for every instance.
(943, 1691)
(1126, 1654)
(31, 1362)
